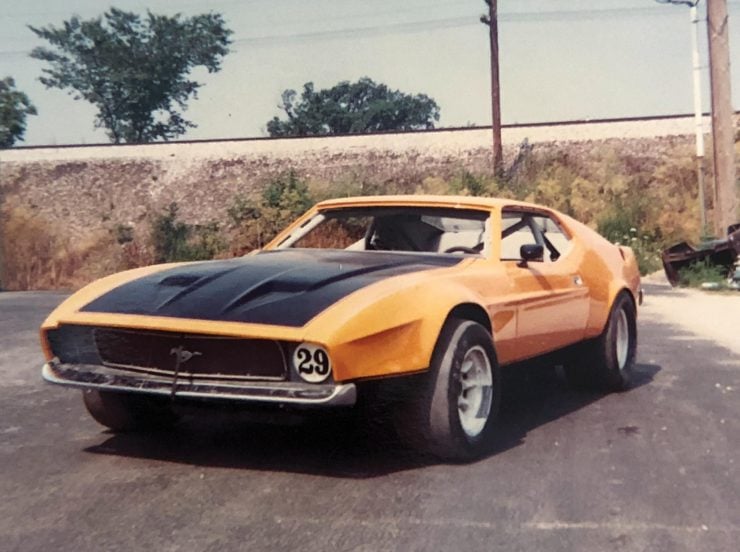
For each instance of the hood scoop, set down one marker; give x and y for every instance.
(179, 280)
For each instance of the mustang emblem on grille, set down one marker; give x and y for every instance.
(183, 355)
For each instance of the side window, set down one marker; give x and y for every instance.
(515, 232)
(556, 242)
(336, 233)
(523, 228)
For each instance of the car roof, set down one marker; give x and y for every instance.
(473, 202)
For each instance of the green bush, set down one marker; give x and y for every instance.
(701, 272)
(124, 233)
(242, 210)
(287, 193)
(623, 225)
(174, 240)
(471, 184)
(255, 223)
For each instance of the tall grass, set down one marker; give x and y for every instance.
(37, 254)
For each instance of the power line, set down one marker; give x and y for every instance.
(209, 5)
(455, 22)
(422, 7)
(368, 31)
(438, 24)
(141, 7)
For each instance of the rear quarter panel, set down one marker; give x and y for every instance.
(606, 269)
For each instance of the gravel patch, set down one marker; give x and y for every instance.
(708, 315)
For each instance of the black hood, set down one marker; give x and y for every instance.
(286, 287)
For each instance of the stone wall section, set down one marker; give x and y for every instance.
(84, 189)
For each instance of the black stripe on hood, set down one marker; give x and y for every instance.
(286, 287)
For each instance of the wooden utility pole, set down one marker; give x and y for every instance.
(723, 118)
(491, 19)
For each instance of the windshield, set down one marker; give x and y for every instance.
(411, 229)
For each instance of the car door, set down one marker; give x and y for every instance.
(551, 299)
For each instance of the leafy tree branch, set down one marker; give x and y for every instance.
(133, 69)
(14, 108)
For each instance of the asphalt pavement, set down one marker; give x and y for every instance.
(655, 468)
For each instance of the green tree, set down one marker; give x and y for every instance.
(350, 108)
(134, 69)
(14, 107)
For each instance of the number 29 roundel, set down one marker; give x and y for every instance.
(311, 362)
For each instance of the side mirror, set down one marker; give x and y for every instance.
(531, 252)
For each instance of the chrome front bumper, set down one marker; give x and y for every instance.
(90, 376)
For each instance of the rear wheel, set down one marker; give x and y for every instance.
(453, 414)
(607, 362)
(128, 412)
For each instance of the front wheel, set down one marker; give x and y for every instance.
(607, 363)
(127, 411)
(453, 414)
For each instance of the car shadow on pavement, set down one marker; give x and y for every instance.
(537, 395)
(533, 396)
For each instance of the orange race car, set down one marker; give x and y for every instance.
(356, 300)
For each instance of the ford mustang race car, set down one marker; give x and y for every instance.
(359, 298)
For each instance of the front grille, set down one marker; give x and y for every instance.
(153, 352)
(201, 356)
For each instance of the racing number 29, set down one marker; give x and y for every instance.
(310, 364)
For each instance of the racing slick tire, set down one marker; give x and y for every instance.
(124, 412)
(607, 363)
(453, 415)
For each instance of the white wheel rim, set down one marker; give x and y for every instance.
(622, 339)
(476, 391)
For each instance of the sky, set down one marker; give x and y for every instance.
(560, 59)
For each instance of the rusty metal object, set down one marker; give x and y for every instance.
(722, 253)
